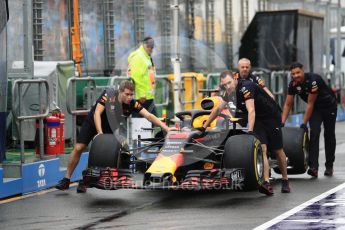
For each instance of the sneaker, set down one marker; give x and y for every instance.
(63, 184)
(329, 172)
(266, 188)
(81, 187)
(285, 186)
(312, 172)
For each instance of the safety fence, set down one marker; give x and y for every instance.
(27, 177)
(83, 92)
(19, 86)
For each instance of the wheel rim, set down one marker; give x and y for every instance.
(305, 149)
(259, 163)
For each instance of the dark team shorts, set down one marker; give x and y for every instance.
(269, 132)
(87, 132)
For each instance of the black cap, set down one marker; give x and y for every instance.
(148, 41)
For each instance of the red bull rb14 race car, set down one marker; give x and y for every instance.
(224, 157)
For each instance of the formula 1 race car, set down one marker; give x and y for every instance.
(224, 157)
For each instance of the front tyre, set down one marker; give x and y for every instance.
(244, 151)
(104, 151)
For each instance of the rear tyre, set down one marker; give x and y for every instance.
(244, 151)
(104, 151)
(296, 148)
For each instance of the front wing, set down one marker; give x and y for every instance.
(113, 178)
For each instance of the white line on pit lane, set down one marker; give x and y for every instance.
(304, 205)
(299, 208)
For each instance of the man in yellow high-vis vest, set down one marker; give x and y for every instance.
(142, 71)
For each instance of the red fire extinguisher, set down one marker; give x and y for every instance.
(52, 136)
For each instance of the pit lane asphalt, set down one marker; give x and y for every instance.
(142, 209)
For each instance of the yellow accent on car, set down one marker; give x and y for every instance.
(209, 103)
(163, 165)
(199, 121)
(208, 166)
(234, 119)
(256, 146)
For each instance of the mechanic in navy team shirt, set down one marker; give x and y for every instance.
(244, 72)
(321, 108)
(264, 120)
(106, 116)
(244, 69)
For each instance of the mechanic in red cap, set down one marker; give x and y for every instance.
(264, 120)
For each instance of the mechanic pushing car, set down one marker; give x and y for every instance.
(244, 69)
(105, 117)
(321, 108)
(264, 120)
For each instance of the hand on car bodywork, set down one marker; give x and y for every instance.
(171, 129)
(167, 129)
(202, 130)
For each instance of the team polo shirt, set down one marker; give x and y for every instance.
(114, 112)
(314, 84)
(257, 80)
(265, 106)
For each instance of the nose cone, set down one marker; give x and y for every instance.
(163, 169)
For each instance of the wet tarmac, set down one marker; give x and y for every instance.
(327, 213)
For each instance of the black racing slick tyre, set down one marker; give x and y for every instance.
(296, 147)
(244, 151)
(104, 151)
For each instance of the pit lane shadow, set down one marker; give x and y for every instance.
(206, 198)
(194, 198)
(93, 198)
(228, 198)
(107, 202)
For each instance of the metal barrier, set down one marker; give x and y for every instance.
(328, 76)
(112, 82)
(210, 79)
(342, 89)
(264, 74)
(116, 80)
(17, 111)
(194, 90)
(165, 91)
(71, 101)
(278, 85)
(342, 80)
